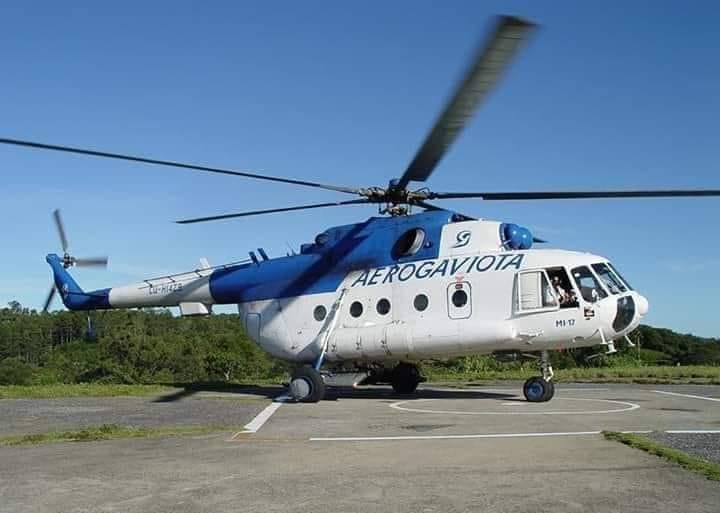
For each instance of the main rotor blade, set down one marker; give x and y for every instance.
(492, 196)
(485, 71)
(49, 299)
(170, 163)
(91, 262)
(272, 211)
(61, 230)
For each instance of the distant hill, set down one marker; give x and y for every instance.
(146, 346)
(674, 348)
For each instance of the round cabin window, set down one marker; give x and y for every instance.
(459, 298)
(319, 313)
(383, 306)
(409, 243)
(421, 302)
(356, 309)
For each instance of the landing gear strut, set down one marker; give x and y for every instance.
(307, 385)
(540, 388)
(405, 378)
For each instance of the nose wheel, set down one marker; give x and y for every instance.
(540, 389)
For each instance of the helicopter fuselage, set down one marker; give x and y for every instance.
(430, 285)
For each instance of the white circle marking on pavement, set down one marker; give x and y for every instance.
(626, 406)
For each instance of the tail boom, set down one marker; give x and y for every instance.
(152, 293)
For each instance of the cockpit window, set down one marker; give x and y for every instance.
(589, 286)
(609, 279)
(612, 268)
(563, 287)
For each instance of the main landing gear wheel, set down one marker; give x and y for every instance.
(307, 385)
(538, 390)
(405, 378)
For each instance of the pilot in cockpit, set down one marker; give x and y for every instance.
(566, 297)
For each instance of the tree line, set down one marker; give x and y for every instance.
(153, 346)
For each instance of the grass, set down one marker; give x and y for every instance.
(78, 390)
(110, 432)
(701, 466)
(689, 374)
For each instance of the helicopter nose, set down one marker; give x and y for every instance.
(642, 305)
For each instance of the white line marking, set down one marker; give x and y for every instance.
(448, 437)
(694, 431)
(627, 407)
(261, 418)
(493, 435)
(687, 395)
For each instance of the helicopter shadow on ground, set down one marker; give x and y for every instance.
(187, 390)
(332, 394)
(335, 393)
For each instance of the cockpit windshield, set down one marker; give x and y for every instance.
(609, 278)
(622, 278)
(589, 286)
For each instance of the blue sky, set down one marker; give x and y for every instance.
(611, 95)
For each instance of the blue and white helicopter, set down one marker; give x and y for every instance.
(364, 302)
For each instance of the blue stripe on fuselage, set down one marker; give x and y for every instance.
(322, 268)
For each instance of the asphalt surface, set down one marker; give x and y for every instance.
(372, 451)
(24, 416)
(702, 445)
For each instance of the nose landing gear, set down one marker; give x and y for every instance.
(540, 389)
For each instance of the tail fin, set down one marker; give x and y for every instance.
(73, 297)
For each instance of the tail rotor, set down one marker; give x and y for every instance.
(67, 259)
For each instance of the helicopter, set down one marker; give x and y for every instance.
(363, 303)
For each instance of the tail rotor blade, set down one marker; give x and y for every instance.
(91, 262)
(61, 230)
(50, 297)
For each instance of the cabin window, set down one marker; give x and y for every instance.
(459, 298)
(409, 243)
(356, 309)
(383, 306)
(421, 302)
(319, 313)
(534, 292)
(590, 288)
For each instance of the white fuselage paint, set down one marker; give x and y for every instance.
(288, 329)
(491, 321)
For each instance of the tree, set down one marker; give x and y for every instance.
(14, 371)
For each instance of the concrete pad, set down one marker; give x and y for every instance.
(288, 464)
(573, 474)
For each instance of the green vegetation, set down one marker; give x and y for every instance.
(647, 374)
(111, 431)
(38, 351)
(701, 466)
(127, 347)
(57, 390)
